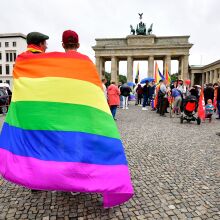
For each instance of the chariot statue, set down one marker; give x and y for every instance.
(141, 27)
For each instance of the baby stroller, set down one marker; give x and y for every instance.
(190, 106)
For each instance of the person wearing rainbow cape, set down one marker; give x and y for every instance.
(59, 133)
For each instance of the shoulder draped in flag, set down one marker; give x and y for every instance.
(59, 133)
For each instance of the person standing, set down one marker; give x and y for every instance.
(163, 99)
(218, 101)
(104, 81)
(152, 91)
(146, 95)
(125, 92)
(113, 98)
(139, 92)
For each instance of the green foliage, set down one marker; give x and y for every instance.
(174, 77)
(122, 78)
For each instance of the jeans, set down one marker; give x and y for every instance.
(145, 102)
(125, 101)
(121, 101)
(113, 109)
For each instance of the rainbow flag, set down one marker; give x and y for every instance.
(167, 75)
(59, 133)
(157, 74)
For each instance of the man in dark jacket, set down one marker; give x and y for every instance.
(146, 95)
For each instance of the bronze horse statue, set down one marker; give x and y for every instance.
(149, 31)
(132, 30)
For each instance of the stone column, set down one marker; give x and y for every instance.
(114, 69)
(211, 76)
(203, 78)
(180, 68)
(185, 67)
(215, 78)
(167, 63)
(151, 66)
(206, 77)
(192, 79)
(97, 62)
(129, 69)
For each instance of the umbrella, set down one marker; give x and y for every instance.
(149, 79)
(130, 84)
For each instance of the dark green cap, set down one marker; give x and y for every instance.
(36, 38)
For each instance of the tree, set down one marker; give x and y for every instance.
(174, 77)
(122, 78)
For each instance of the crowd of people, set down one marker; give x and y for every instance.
(163, 97)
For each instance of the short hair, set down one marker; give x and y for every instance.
(71, 46)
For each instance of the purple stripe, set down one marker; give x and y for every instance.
(113, 181)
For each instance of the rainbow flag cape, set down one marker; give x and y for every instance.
(59, 133)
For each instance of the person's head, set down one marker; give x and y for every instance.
(180, 82)
(120, 83)
(113, 82)
(161, 81)
(38, 39)
(147, 82)
(70, 40)
(209, 101)
(215, 85)
(104, 81)
(153, 82)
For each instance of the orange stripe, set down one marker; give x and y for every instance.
(61, 67)
(69, 54)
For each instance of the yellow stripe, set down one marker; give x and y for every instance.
(58, 89)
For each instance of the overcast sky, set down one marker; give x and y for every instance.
(111, 19)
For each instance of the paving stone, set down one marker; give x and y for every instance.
(173, 167)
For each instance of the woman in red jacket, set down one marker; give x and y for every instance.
(113, 98)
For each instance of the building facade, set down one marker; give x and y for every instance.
(10, 46)
(139, 47)
(201, 75)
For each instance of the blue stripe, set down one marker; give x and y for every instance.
(62, 146)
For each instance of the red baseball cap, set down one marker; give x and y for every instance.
(70, 37)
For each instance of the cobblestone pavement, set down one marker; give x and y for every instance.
(175, 171)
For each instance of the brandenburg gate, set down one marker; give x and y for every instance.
(143, 46)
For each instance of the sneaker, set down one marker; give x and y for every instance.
(126, 108)
(218, 118)
(144, 108)
(218, 133)
(75, 193)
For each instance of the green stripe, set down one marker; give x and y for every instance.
(54, 116)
